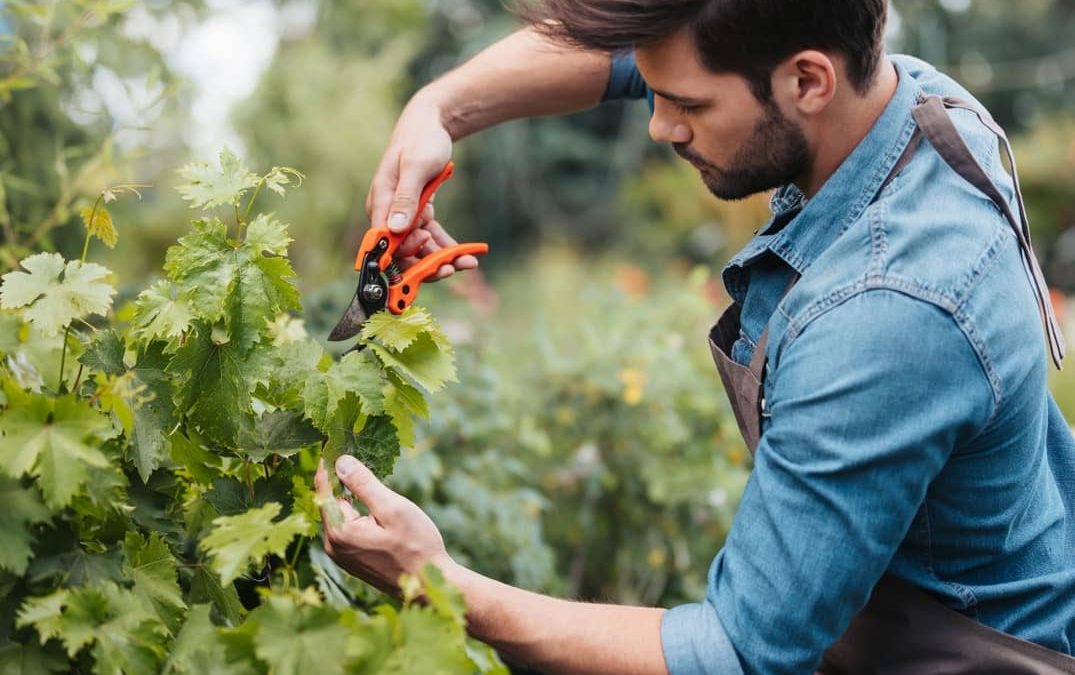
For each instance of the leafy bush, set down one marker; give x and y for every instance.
(155, 462)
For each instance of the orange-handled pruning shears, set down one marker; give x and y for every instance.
(381, 285)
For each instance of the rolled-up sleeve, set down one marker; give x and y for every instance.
(867, 403)
(624, 80)
(694, 641)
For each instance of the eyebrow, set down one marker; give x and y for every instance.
(683, 100)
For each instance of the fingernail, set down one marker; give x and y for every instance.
(397, 222)
(345, 465)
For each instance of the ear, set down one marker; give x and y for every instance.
(805, 81)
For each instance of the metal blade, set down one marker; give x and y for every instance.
(351, 322)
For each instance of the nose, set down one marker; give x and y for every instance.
(667, 128)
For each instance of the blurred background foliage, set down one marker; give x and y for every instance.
(588, 449)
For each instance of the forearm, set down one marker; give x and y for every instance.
(560, 636)
(523, 75)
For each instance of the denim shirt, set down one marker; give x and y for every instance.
(907, 426)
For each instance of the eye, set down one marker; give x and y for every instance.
(685, 109)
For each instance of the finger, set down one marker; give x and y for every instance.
(382, 188)
(440, 236)
(413, 177)
(416, 240)
(378, 498)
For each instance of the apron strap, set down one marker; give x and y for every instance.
(757, 359)
(932, 118)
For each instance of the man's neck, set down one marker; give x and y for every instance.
(844, 127)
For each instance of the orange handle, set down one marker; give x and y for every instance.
(402, 293)
(375, 234)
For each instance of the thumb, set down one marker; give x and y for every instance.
(357, 477)
(413, 178)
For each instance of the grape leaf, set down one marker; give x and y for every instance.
(206, 587)
(202, 464)
(105, 354)
(223, 279)
(265, 234)
(203, 265)
(426, 362)
(236, 542)
(31, 659)
(19, 508)
(294, 638)
(402, 402)
(152, 567)
(161, 312)
(279, 176)
(375, 444)
(281, 432)
(214, 392)
(199, 649)
(55, 293)
(398, 332)
(46, 438)
(99, 224)
(208, 186)
(356, 373)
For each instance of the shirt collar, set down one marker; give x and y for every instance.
(845, 195)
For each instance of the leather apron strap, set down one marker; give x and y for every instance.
(937, 126)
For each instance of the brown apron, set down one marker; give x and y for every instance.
(903, 630)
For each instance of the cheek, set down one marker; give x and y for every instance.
(721, 137)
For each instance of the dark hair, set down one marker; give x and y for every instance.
(746, 37)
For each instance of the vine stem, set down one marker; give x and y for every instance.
(63, 358)
(250, 204)
(93, 217)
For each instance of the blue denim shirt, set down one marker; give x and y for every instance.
(907, 427)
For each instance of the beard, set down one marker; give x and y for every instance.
(775, 154)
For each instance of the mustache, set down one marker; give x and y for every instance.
(685, 152)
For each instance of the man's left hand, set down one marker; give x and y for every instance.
(396, 537)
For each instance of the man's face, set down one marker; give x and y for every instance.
(740, 145)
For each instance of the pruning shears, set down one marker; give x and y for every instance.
(381, 284)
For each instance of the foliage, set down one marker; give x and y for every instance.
(155, 463)
(58, 138)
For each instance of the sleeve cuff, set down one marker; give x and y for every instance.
(695, 642)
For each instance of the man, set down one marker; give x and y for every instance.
(912, 505)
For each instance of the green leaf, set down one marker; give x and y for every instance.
(47, 439)
(203, 465)
(403, 403)
(54, 293)
(281, 432)
(215, 389)
(19, 508)
(427, 363)
(31, 659)
(279, 176)
(105, 354)
(99, 224)
(358, 374)
(377, 445)
(222, 279)
(398, 332)
(152, 567)
(44, 614)
(206, 587)
(208, 186)
(294, 638)
(199, 649)
(236, 542)
(291, 365)
(161, 313)
(265, 234)
(203, 264)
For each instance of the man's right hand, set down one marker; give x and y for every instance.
(419, 148)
